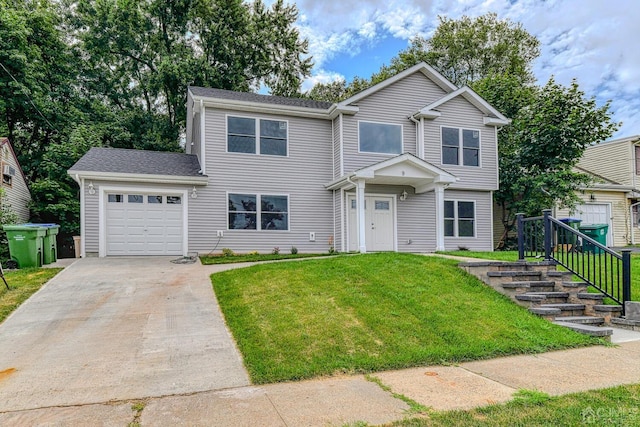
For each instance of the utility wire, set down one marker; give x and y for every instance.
(28, 97)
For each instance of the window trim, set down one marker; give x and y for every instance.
(456, 219)
(382, 123)
(461, 146)
(258, 197)
(256, 120)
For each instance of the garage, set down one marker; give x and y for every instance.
(596, 213)
(144, 223)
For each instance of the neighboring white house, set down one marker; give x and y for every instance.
(613, 198)
(14, 182)
(408, 165)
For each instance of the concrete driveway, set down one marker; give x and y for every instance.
(113, 329)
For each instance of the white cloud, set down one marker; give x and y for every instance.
(321, 76)
(591, 40)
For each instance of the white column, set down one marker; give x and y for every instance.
(421, 138)
(439, 190)
(362, 245)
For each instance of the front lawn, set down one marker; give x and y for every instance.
(497, 255)
(373, 312)
(231, 259)
(23, 284)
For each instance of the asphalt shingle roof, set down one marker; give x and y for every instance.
(120, 160)
(255, 97)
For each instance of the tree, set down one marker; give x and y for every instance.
(545, 141)
(142, 55)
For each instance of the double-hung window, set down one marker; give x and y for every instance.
(256, 136)
(258, 212)
(460, 146)
(380, 138)
(459, 218)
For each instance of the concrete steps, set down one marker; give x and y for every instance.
(550, 294)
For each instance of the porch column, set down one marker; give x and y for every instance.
(439, 190)
(362, 245)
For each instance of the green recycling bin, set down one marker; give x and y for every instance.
(25, 244)
(566, 237)
(49, 244)
(597, 232)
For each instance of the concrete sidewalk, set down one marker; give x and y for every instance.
(339, 400)
(336, 401)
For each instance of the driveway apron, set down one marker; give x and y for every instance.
(115, 329)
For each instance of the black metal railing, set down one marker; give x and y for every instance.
(602, 268)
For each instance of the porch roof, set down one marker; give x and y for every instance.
(404, 169)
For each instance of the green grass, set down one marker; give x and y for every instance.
(497, 255)
(617, 406)
(23, 284)
(230, 259)
(372, 312)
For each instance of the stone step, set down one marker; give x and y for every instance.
(594, 331)
(533, 285)
(621, 322)
(547, 297)
(567, 309)
(545, 311)
(585, 320)
(590, 296)
(532, 275)
(561, 274)
(605, 308)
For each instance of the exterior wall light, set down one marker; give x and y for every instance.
(91, 189)
(194, 193)
(403, 195)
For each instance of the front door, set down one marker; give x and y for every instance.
(379, 226)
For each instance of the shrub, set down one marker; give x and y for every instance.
(294, 250)
(227, 252)
(275, 251)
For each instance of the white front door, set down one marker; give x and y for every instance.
(379, 223)
(596, 213)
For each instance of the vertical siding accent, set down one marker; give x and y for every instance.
(302, 175)
(189, 121)
(613, 161)
(83, 251)
(483, 241)
(203, 138)
(459, 113)
(336, 128)
(195, 146)
(393, 104)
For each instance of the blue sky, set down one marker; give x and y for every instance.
(593, 41)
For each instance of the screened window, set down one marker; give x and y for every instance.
(258, 212)
(248, 135)
(459, 218)
(380, 138)
(460, 147)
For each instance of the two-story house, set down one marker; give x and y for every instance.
(614, 196)
(408, 165)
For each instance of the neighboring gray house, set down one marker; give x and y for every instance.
(14, 182)
(407, 165)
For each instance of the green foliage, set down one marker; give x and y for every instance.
(7, 216)
(226, 252)
(294, 250)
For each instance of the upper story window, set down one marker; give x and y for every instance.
(460, 147)
(256, 136)
(637, 148)
(380, 138)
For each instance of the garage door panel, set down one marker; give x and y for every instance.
(144, 228)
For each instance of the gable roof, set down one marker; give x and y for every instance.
(422, 67)
(492, 116)
(113, 163)
(5, 141)
(232, 95)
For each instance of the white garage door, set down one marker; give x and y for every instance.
(593, 213)
(144, 224)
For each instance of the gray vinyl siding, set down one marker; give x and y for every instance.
(337, 155)
(338, 227)
(459, 113)
(393, 105)
(301, 175)
(483, 240)
(194, 145)
(17, 194)
(614, 161)
(189, 121)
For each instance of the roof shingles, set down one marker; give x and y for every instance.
(258, 98)
(126, 161)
